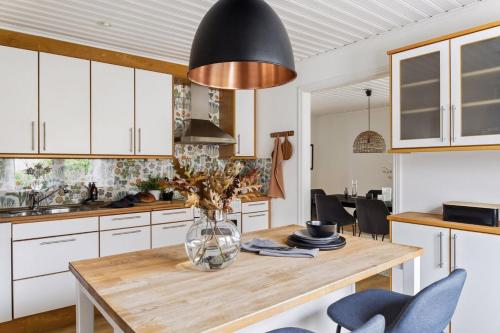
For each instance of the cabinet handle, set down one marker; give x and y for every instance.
(33, 135)
(131, 140)
(139, 139)
(126, 233)
(58, 241)
(440, 250)
(257, 204)
(257, 215)
(239, 145)
(453, 136)
(174, 227)
(174, 213)
(455, 251)
(125, 218)
(44, 135)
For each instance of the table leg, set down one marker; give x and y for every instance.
(406, 277)
(84, 311)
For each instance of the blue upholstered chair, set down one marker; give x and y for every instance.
(429, 311)
(374, 325)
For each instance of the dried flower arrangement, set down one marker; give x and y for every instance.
(213, 189)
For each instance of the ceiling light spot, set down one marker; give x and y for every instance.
(104, 24)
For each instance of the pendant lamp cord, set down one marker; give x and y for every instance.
(369, 94)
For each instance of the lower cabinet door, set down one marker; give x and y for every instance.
(255, 221)
(169, 233)
(477, 309)
(434, 263)
(125, 240)
(43, 293)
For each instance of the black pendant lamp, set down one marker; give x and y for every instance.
(241, 44)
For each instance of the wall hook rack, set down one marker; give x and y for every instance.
(282, 134)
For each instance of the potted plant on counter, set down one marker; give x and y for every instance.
(152, 185)
(212, 242)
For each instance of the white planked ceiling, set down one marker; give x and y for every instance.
(351, 98)
(165, 29)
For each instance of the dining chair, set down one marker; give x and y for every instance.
(372, 217)
(374, 325)
(429, 311)
(329, 208)
(373, 194)
(314, 192)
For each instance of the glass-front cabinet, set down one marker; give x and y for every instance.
(448, 93)
(420, 96)
(475, 88)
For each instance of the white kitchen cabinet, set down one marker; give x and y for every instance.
(434, 263)
(64, 105)
(43, 293)
(254, 206)
(41, 229)
(475, 88)
(172, 215)
(477, 253)
(420, 97)
(124, 221)
(5, 272)
(51, 255)
(18, 101)
(153, 113)
(125, 240)
(169, 233)
(255, 221)
(112, 109)
(244, 115)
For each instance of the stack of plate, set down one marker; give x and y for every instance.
(302, 239)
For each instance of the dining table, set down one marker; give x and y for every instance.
(158, 290)
(350, 201)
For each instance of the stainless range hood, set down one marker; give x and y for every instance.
(199, 129)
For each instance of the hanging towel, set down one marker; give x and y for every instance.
(276, 187)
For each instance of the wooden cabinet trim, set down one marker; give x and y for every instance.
(445, 37)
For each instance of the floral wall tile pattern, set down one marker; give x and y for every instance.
(116, 177)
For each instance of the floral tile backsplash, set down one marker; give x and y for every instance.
(115, 177)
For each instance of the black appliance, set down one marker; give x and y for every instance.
(472, 213)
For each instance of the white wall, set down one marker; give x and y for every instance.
(429, 179)
(277, 108)
(335, 165)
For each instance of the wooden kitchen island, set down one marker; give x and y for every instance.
(159, 291)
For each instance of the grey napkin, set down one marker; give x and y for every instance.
(267, 247)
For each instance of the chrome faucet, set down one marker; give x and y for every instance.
(35, 197)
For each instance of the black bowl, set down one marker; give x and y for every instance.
(321, 229)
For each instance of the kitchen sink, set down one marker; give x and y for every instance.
(46, 211)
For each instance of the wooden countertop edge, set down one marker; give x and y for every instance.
(93, 213)
(267, 312)
(436, 220)
(117, 319)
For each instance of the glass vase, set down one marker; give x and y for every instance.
(212, 242)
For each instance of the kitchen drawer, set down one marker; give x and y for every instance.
(236, 206)
(255, 206)
(169, 233)
(125, 240)
(51, 255)
(124, 221)
(172, 215)
(43, 293)
(255, 221)
(54, 228)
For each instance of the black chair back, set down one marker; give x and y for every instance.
(373, 194)
(314, 193)
(372, 216)
(329, 208)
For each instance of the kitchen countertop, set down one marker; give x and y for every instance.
(436, 220)
(159, 291)
(100, 211)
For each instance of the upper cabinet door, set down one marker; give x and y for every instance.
(64, 105)
(112, 109)
(245, 123)
(475, 90)
(420, 97)
(153, 113)
(18, 101)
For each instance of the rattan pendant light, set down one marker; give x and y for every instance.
(369, 141)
